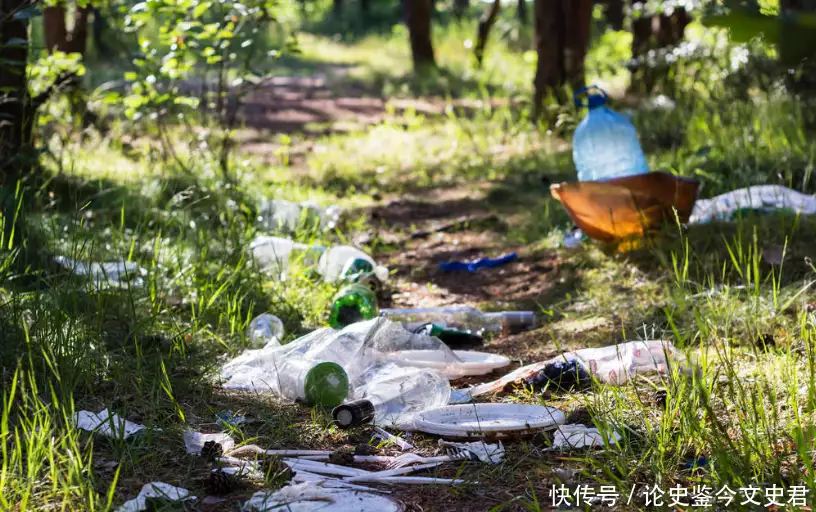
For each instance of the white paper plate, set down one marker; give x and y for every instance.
(488, 420)
(473, 363)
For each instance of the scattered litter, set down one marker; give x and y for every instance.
(696, 463)
(489, 453)
(325, 366)
(112, 273)
(763, 199)
(106, 424)
(563, 375)
(389, 473)
(605, 144)
(573, 239)
(462, 318)
(617, 209)
(473, 266)
(403, 445)
(155, 490)
(312, 497)
(194, 442)
(473, 363)
(229, 418)
(580, 436)
(338, 263)
(488, 420)
(390, 394)
(453, 338)
(279, 215)
(265, 329)
(614, 364)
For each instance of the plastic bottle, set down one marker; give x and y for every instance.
(346, 263)
(392, 394)
(353, 303)
(338, 263)
(279, 215)
(464, 318)
(313, 382)
(605, 144)
(265, 330)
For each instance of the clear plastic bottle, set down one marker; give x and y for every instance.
(605, 144)
(391, 394)
(265, 330)
(464, 318)
(346, 263)
(280, 215)
(338, 263)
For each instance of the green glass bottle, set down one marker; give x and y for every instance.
(353, 303)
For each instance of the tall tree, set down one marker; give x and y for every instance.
(418, 19)
(460, 7)
(521, 11)
(654, 32)
(486, 23)
(562, 39)
(16, 106)
(614, 14)
(56, 33)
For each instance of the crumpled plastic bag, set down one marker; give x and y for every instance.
(106, 424)
(614, 364)
(761, 198)
(113, 273)
(312, 497)
(194, 441)
(155, 490)
(355, 348)
(579, 436)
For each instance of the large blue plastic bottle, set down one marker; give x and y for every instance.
(605, 144)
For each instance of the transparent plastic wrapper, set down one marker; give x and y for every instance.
(614, 364)
(101, 275)
(280, 215)
(761, 198)
(284, 370)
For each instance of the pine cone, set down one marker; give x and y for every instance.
(343, 456)
(211, 450)
(219, 483)
(276, 472)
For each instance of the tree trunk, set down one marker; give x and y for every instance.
(365, 7)
(418, 20)
(16, 108)
(486, 22)
(614, 14)
(578, 19)
(521, 11)
(338, 8)
(650, 33)
(460, 7)
(56, 34)
(548, 17)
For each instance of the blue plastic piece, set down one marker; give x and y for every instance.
(605, 144)
(473, 266)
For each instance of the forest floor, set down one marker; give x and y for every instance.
(424, 176)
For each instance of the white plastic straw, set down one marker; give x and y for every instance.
(391, 472)
(402, 443)
(324, 468)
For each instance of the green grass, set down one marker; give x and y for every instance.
(150, 353)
